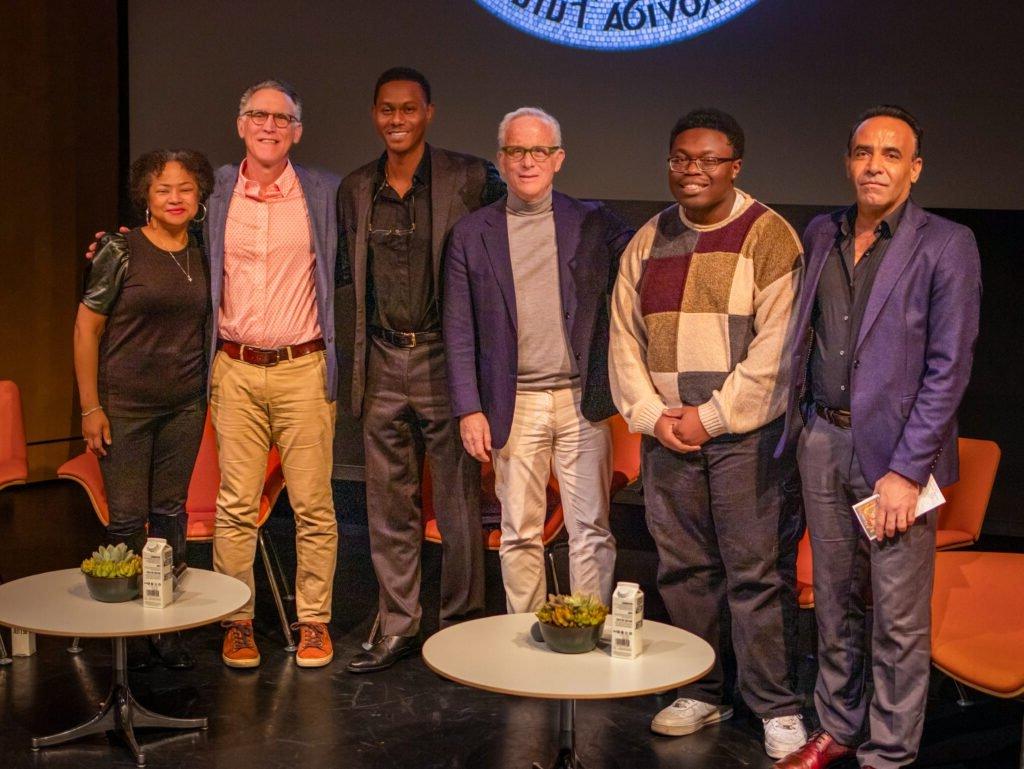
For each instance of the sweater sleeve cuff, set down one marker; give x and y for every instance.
(711, 419)
(646, 415)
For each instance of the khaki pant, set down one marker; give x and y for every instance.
(253, 407)
(547, 425)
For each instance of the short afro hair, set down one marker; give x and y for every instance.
(150, 165)
(716, 120)
(894, 111)
(402, 73)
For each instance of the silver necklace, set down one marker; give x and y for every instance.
(187, 269)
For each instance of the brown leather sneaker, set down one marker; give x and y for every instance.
(819, 751)
(315, 649)
(239, 650)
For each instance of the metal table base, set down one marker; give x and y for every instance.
(567, 757)
(120, 712)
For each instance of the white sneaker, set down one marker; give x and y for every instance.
(686, 716)
(783, 735)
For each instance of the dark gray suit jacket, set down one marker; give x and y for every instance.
(458, 184)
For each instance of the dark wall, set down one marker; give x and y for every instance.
(794, 72)
(59, 170)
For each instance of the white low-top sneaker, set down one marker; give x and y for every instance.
(783, 735)
(686, 716)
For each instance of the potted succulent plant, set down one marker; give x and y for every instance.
(572, 624)
(112, 573)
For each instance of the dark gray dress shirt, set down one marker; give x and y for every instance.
(843, 292)
(402, 293)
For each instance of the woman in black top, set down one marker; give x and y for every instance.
(140, 352)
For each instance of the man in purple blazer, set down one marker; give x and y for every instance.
(526, 339)
(882, 347)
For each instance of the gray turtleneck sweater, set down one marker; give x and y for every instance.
(544, 358)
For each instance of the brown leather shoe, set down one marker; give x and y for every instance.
(315, 648)
(819, 751)
(239, 650)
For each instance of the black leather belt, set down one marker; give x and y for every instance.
(404, 339)
(258, 356)
(837, 417)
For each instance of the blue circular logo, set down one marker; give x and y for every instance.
(615, 25)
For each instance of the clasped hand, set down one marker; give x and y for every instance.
(681, 430)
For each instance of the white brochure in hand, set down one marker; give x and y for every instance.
(930, 498)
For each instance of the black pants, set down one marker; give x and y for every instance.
(406, 413)
(146, 474)
(726, 520)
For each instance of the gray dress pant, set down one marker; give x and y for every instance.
(726, 521)
(406, 413)
(848, 568)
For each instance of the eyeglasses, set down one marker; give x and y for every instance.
(679, 163)
(259, 117)
(396, 232)
(539, 154)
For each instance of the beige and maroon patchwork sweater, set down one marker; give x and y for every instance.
(700, 316)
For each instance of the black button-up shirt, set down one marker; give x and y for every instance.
(401, 288)
(843, 291)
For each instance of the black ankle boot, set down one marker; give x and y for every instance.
(171, 651)
(139, 654)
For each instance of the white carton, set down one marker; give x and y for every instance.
(157, 574)
(23, 642)
(627, 620)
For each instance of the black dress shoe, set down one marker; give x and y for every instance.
(385, 653)
(139, 654)
(171, 651)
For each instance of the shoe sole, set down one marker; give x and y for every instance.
(240, 664)
(314, 663)
(722, 714)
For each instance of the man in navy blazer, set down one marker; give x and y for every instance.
(527, 281)
(881, 354)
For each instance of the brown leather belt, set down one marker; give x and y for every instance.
(259, 356)
(837, 417)
(404, 339)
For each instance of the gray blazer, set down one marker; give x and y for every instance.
(320, 189)
(458, 184)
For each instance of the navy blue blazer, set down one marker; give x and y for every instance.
(480, 322)
(320, 189)
(913, 356)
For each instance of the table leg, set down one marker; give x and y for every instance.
(567, 757)
(120, 712)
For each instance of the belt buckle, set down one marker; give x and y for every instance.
(260, 351)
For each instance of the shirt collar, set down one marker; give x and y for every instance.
(885, 229)
(421, 176)
(278, 188)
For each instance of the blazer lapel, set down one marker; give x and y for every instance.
(567, 239)
(359, 268)
(316, 204)
(444, 185)
(495, 237)
(897, 257)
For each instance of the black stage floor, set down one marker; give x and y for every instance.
(281, 716)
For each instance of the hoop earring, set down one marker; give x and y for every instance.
(148, 217)
(198, 219)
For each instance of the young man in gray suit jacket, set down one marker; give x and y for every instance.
(396, 213)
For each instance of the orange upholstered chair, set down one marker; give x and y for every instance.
(960, 519)
(13, 454)
(978, 621)
(201, 505)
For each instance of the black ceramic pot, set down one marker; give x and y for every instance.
(571, 640)
(113, 589)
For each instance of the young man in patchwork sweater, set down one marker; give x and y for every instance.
(699, 316)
